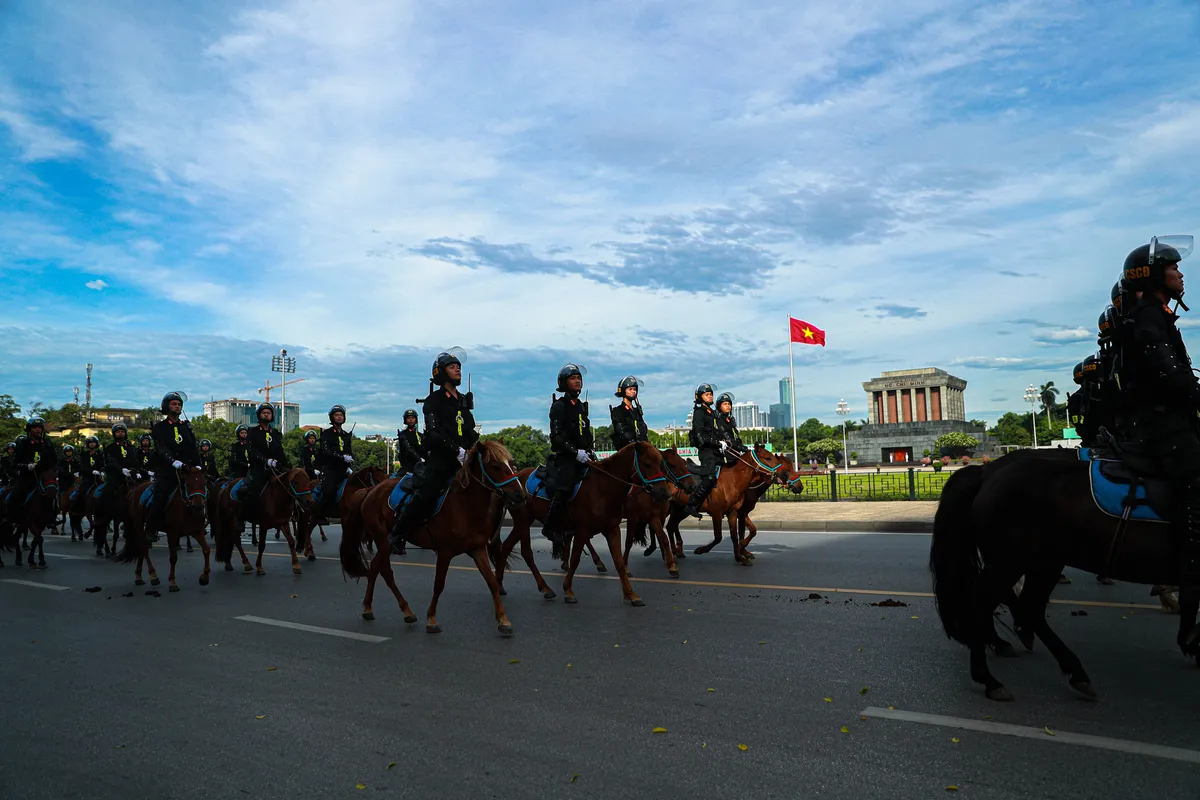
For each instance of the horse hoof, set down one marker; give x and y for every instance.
(601, 568)
(505, 630)
(260, 572)
(1026, 638)
(277, 536)
(1004, 650)
(139, 582)
(681, 554)
(674, 573)
(410, 619)
(699, 551)
(748, 555)
(637, 603)
(312, 557)
(229, 567)
(433, 628)
(204, 580)
(503, 592)
(1000, 694)
(324, 538)
(155, 581)
(296, 571)
(173, 588)
(247, 569)
(549, 594)
(1084, 688)
(571, 599)
(368, 615)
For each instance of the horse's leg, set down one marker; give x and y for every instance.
(373, 570)
(673, 535)
(382, 564)
(1189, 606)
(527, 555)
(745, 522)
(596, 557)
(577, 543)
(321, 528)
(656, 527)
(287, 532)
(137, 573)
(632, 529)
(485, 569)
(1038, 586)
(614, 547)
(206, 550)
(992, 586)
(439, 583)
(173, 547)
(39, 547)
(716, 521)
(735, 538)
(262, 545)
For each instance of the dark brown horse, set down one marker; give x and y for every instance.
(642, 511)
(65, 485)
(598, 508)
(1031, 516)
(723, 502)
(467, 523)
(186, 515)
(39, 512)
(787, 476)
(282, 493)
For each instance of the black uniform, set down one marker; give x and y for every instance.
(174, 440)
(727, 428)
(707, 438)
(208, 462)
(7, 469)
(145, 462)
(264, 445)
(118, 456)
(449, 425)
(28, 452)
(332, 449)
(628, 426)
(89, 462)
(410, 448)
(239, 459)
(308, 459)
(1079, 416)
(68, 466)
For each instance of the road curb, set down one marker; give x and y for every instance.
(819, 525)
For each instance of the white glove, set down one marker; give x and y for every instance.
(316, 472)
(125, 471)
(724, 446)
(462, 455)
(272, 463)
(582, 457)
(151, 474)
(30, 467)
(76, 474)
(349, 471)
(349, 459)
(96, 472)
(177, 464)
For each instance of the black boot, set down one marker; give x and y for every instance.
(409, 515)
(552, 528)
(692, 509)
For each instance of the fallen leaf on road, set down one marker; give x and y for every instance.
(685, 641)
(1048, 731)
(120, 746)
(272, 669)
(891, 708)
(863, 717)
(914, 616)
(864, 690)
(659, 730)
(575, 777)
(514, 661)
(845, 729)
(360, 786)
(860, 649)
(390, 765)
(212, 645)
(987, 716)
(955, 740)
(294, 597)
(951, 788)
(743, 747)
(712, 690)
(703, 745)
(762, 642)
(568, 666)
(261, 716)
(828, 699)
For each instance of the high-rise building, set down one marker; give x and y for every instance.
(241, 412)
(785, 391)
(745, 415)
(780, 416)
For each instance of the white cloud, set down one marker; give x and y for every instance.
(97, 284)
(35, 141)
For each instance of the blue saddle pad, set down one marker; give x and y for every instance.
(100, 490)
(1110, 497)
(693, 466)
(239, 486)
(536, 487)
(145, 499)
(318, 495)
(1085, 454)
(403, 491)
(74, 496)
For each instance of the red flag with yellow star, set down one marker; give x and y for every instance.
(803, 333)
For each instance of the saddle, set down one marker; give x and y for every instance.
(701, 472)
(1127, 482)
(318, 495)
(403, 491)
(535, 484)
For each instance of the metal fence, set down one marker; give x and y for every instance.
(911, 484)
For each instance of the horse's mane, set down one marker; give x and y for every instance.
(492, 452)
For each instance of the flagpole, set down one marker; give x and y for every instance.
(792, 378)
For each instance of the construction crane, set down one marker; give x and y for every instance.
(268, 387)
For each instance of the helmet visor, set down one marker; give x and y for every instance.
(1181, 243)
(452, 354)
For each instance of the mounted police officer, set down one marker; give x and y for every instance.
(1161, 396)
(175, 448)
(239, 453)
(706, 437)
(727, 426)
(410, 449)
(335, 457)
(68, 467)
(572, 445)
(208, 461)
(32, 455)
(91, 466)
(308, 455)
(266, 456)
(449, 434)
(120, 466)
(8, 468)
(628, 425)
(144, 458)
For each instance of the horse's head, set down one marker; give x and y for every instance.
(787, 476)
(496, 469)
(300, 486)
(194, 485)
(365, 478)
(47, 480)
(677, 472)
(648, 471)
(763, 462)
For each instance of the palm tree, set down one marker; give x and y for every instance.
(1048, 394)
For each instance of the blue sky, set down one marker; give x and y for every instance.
(646, 188)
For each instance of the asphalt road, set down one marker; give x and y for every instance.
(173, 696)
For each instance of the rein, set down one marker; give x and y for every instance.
(637, 467)
(492, 485)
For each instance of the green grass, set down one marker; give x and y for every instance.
(865, 486)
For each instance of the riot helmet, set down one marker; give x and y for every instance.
(569, 371)
(1146, 266)
(437, 372)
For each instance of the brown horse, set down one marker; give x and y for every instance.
(642, 511)
(282, 493)
(76, 504)
(787, 476)
(467, 523)
(727, 496)
(65, 486)
(186, 515)
(598, 508)
(39, 512)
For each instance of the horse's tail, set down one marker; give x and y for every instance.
(224, 534)
(560, 549)
(350, 550)
(638, 534)
(953, 556)
(137, 543)
(303, 518)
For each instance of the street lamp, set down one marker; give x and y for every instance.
(843, 409)
(284, 365)
(1031, 397)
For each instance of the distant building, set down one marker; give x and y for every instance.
(779, 416)
(241, 412)
(785, 391)
(97, 420)
(907, 411)
(746, 415)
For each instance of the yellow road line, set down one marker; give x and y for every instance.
(736, 585)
